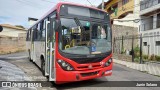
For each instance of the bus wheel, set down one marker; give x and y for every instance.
(29, 56)
(43, 66)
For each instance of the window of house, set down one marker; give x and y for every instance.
(145, 43)
(124, 2)
(158, 20)
(157, 43)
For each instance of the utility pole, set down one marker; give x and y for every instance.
(102, 4)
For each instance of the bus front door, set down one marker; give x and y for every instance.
(52, 49)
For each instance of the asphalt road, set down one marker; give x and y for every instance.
(120, 73)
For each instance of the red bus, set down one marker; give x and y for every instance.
(72, 43)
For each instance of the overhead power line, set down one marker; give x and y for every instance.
(89, 2)
(48, 1)
(27, 3)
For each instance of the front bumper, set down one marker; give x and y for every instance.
(72, 76)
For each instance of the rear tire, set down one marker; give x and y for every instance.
(43, 66)
(29, 56)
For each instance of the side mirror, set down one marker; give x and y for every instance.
(1, 28)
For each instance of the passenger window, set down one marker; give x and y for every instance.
(43, 29)
(38, 32)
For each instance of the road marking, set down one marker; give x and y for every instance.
(155, 73)
(158, 70)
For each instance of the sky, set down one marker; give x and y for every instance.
(16, 12)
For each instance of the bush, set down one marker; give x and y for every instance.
(157, 57)
(123, 51)
(136, 49)
(136, 59)
(145, 57)
(152, 57)
(137, 52)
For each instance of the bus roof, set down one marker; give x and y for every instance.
(58, 5)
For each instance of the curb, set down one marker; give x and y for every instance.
(149, 68)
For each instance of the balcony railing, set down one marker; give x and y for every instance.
(148, 3)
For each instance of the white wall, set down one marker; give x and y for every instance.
(151, 41)
(11, 32)
(130, 23)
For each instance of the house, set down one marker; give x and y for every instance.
(125, 20)
(150, 26)
(123, 12)
(11, 31)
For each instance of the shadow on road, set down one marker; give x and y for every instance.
(86, 83)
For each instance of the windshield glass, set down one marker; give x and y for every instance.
(84, 37)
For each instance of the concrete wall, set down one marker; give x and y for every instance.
(12, 44)
(119, 31)
(150, 37)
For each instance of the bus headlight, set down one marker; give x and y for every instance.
(108, 62)
(65, 66)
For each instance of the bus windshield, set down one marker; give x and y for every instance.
(84, 37)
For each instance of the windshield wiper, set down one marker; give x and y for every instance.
(78, 23)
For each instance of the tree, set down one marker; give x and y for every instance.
(115, 10)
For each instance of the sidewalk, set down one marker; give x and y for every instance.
(151, 68)
(10, 72)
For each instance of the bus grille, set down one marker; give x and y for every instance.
(86, 67)
(89, 74)
(87, 60)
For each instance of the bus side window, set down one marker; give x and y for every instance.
(27, 38)
(35, 33)
(32, 30)
(43, 30)
(38, 32)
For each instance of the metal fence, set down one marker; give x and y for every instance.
(148, 3)
(137, 48)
